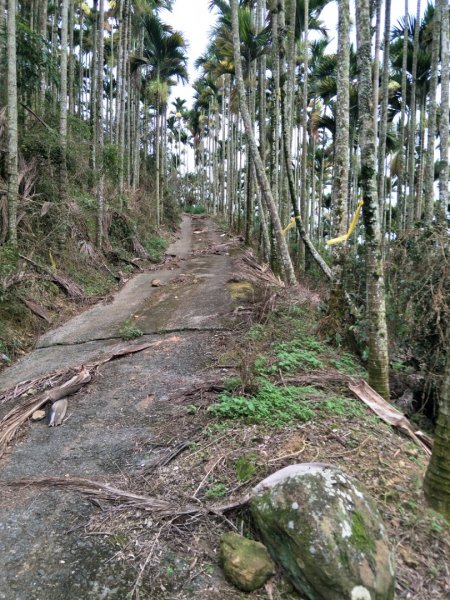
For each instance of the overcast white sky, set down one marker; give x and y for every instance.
(195, 21)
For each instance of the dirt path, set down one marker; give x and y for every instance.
(43, 552)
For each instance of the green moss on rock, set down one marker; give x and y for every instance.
(246, 563)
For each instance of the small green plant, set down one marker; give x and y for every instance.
(191, 409)
(256, 332)
(216, 490)
(291, 356)
(170, 571)
(271, 404)
(346, 364)
(128, 331)
(342, 406)
(232, 383)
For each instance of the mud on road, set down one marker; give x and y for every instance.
(44, 551)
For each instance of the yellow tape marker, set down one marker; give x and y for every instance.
(290, 225)
(351, 229)
(52, 262)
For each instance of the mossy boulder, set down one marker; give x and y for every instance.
(246, 564)
(325, 532)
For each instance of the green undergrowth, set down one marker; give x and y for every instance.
(155, 246)
(277, 405)
(271, 357)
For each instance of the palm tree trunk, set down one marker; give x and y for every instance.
(303, 170)
(99, 128)
(63, 101)
(12, 189)
(376, 66)
(81, 66)
(401, 187)
(157, 160)
(412, 125)
(429, 165)
(260, 173)
(43, 13)
(3, 60)
(437, 478)
(71, 86)
(378, 366)
(384, 107)
(444, 118)
(341, 155)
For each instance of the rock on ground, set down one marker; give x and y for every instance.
(246, 563)
(326, 533)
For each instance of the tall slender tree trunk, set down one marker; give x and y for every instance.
(444, 117)
(378, 366)
(11, 117)
(410, 212)
(43, 14)
(401, 186)
(3, 59)
(437, 478)
(384, 107)
(341, 154)
(429, 164)
(157, 158)
(260, 173)
(99, 127)
(303, 169)
(71, 74)
(63, 101)
(376, 66)
(81, 66)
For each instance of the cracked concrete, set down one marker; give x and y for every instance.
(43, 549)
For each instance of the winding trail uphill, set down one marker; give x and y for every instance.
(43, 552)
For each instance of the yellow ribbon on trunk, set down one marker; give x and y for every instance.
(351, 229)
(290, 225)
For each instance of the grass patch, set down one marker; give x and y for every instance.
(128, 331)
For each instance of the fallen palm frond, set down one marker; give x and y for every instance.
(12, 421)
(98, 491)
(387, 412)
(15, 418)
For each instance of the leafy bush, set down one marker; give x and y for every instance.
(155, 247)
